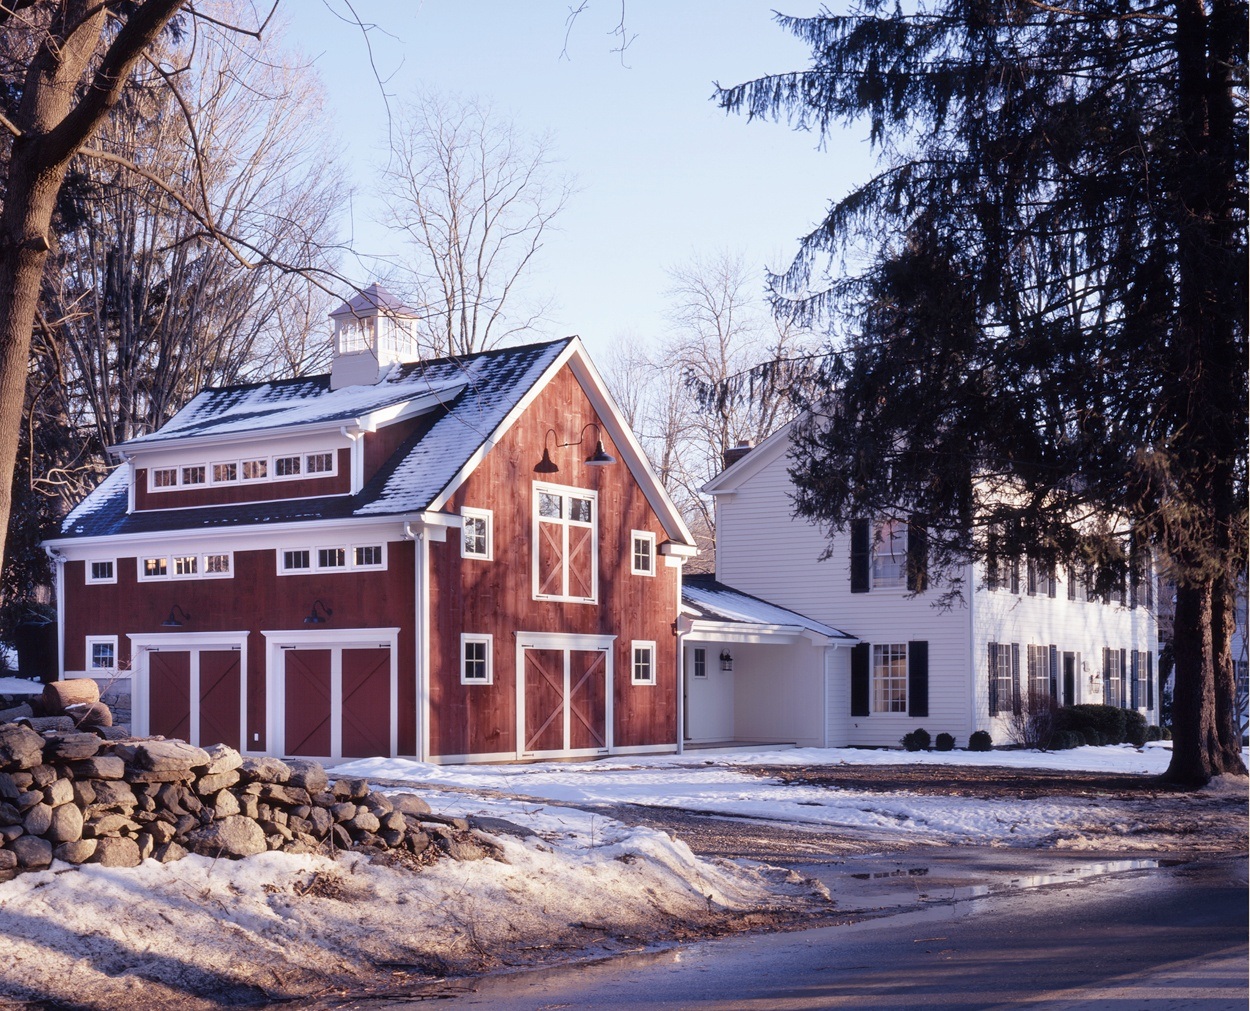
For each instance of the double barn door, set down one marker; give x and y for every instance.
(337, 702)
(193, 692)
(564, 695)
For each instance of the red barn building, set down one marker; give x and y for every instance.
(458, 559)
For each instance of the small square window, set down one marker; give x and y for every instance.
(699, 662)
(255, 470)
(165, 477)
(293, 561)
(186, 565)
(368, 556)
(194, 475)
(225, 473)
(101, 572)
(475, 533)
(102, 653)
(331, 558)
(476, 661)
(643, 667)
(286, 466)
(319, 463)
(154, 568)
(217, 565)
(642, 554)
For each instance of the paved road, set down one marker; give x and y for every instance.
(1164, 938)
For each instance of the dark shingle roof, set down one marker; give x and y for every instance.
(703, 597)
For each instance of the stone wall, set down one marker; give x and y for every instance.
(75, 797)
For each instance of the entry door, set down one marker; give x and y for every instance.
(337, 702)
(195, 694)
(565, 702)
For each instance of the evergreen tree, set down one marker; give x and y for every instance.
(1045, 348)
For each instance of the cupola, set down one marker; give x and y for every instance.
(371, 332)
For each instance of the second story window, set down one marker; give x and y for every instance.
(475, 533)
(194, 475)
(104, 571)
(889, 555)
(286, 466)
(331, 558)
(296, 560)
(565, 544)
(319, 463)
(642, 557)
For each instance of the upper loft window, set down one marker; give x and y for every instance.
(332, 558)
(228, 472)
(889, 554)
(186, 565)
(255, 470)
(476, 533)
(195, 475)
(642, 554)
(225, 473)
(286, 466)
(319, 463)
(565, 543)
(102, 571)
(165, 477)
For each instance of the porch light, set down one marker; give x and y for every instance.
(172, 621)
(318, 619)
(726, 660)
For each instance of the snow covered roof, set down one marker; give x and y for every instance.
(466, 400)
(703, 598)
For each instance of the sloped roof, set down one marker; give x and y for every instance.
(702, 597)
(370, 300)
(469, 398)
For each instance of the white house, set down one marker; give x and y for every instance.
(898, 662)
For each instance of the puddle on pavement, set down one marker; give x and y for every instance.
(879, 884)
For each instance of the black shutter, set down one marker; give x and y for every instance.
(859, 680)
(1107, 700)
(1070, 572)
(1053, 586)
(1015, 678)
(1015, 575)
(1054, 673)
(1031, 577)
(917, 557)
(861, 558)
(1150, 681)
(1134, 670)
(993, 668)
(918, 678)
(1123, 675)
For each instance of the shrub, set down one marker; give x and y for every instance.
(980, 741)
(1065, 740)
(945, 742)
(1153, 733)
(1110, 722)
(1134, 727)
(1092, 737)
(917, 740)
(1166, 733)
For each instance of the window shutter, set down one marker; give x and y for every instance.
(1071, 574)
(993, 669)
(1031, 577)
(1015, 677)
(1150, 680)
(1052, 587)
(859, 679)
(918, 678)
(1015, 575)
(1054, 673)
(1123, 672)
(1132, 587)
(1134, 670)
(917, 556)
(861, 558)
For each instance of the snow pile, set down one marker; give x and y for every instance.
(203, 933)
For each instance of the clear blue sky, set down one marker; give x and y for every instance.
(662, 173)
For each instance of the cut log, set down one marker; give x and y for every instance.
(16, 713)
(59, 694)
(40, 724)
(88, 716)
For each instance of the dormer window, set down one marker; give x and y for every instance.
(194, 475)
(255, 470)
(320, 463)
(165, 477)
(286, 466)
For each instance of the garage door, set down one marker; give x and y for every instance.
(565, 697)
(195, 694)
(338, 701)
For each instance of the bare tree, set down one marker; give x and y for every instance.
(474, 198)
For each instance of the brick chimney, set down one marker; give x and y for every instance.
(735, 454)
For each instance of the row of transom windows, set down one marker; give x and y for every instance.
(219, 565)
(243, 471)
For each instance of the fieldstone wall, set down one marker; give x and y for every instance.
(76, 797)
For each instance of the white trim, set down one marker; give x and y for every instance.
(565, 492)
(488, 517)
(237, 461)
(488, 641)
(421, 602)
(91, 580)
(648, 749)
(100, 640)
(728, 480)
(142, 644)
(485, 758)
(635, 646)
(648, 538)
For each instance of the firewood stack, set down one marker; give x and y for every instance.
(74, 797)
(66, 706)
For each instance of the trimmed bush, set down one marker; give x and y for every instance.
(980, 740)
(1166, 733)
(1153, 733)
(917, 740)
(1065, 740)
(1111, 723)
(945, 742)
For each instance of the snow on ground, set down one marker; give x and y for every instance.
(203, 933)
(707, 782)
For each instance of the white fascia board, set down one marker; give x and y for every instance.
(678, 550)
(235, 538)
(742, 631)
(728, 480)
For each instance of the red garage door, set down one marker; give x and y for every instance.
(308, 702)
(169, 694)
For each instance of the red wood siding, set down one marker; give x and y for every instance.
(251, 491)
(255, 598)
(496, 597)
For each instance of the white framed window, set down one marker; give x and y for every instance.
(889, 678)
(101, 652)
(215, 565)
(477, 661)
(642, 663)
(218, 565)
(163, 477)
(1038, 662)
(319, 463)
(196, 474)
(889, 556)
(154, 568)
(225, 473)
(368, 556)
(565, 544)
(698, 662)
(186, 565)
(286, 466)
(102, 570)
(295, 560)
(477, 533)
(642, 553)
(255, 470)
(331, 558)
(1004, 696)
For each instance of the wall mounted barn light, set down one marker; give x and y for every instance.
(318, 619)
(726, 660)
(172, 621)
(599, 458)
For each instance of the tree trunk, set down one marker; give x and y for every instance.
(1226, 727)
(1196, 753)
